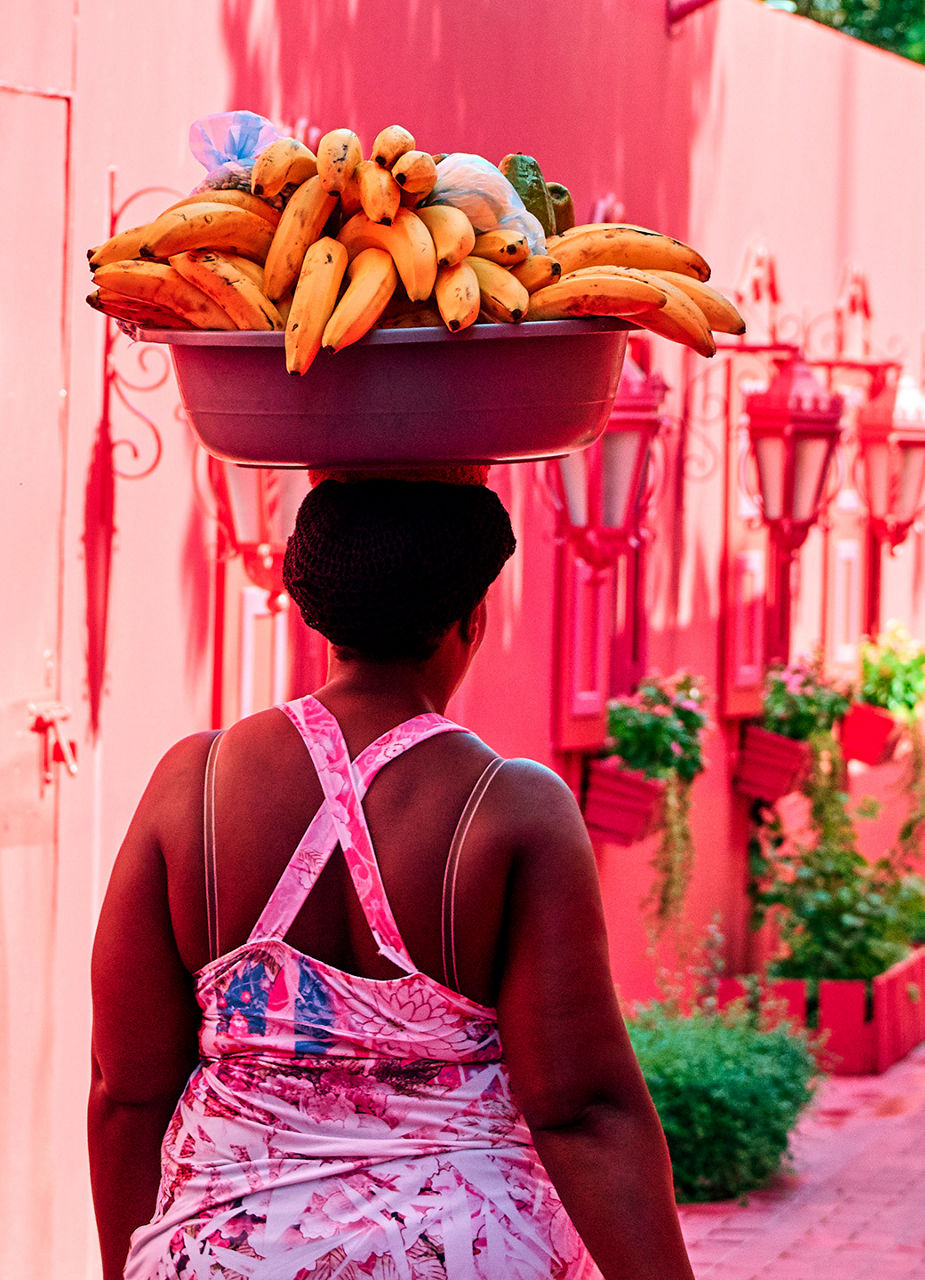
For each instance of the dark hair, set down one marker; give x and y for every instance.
(384, 568)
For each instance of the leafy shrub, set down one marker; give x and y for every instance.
(728, 1093)
(801, 700)
(893, 672)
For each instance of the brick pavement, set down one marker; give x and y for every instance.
(853, 1207)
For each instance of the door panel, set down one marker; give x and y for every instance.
(33, 1154)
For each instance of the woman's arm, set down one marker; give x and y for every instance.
(145, 1020)
(572, 1066)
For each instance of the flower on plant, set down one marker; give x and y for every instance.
(658, 729)
(801, 700)
(893, 671)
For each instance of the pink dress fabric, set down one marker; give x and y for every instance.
(340, 1127)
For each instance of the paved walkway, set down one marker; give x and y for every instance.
(854, 1206)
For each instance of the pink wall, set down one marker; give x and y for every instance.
(744, 126)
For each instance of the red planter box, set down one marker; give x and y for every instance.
(869, 734)
(621, 805)
(770, 765)
(856, 1045)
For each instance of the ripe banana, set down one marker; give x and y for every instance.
(407, 240)
(609, 292)
(507, 248)
(253, 270)
(231, 195)
(390, 143)
(302, 223)
(452, 232)
(208, 226)
(350, 202)
(537, 271)
(339, 153)
(622, 245)
(419, 318)
(225, 283)
(722, 316)
(123, 245)
(134, 310)
(458, 295)
(502, 298)
(285, 161)
(313, 301)
(372, 281)
(379, 193)
(415, 172)
(162, 284)
(680, 319)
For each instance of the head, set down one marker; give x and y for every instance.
(384, 568)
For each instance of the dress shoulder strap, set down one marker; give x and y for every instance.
(450, 975)
(208, 845)
(314, 724)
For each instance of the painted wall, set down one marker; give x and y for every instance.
(745, 126)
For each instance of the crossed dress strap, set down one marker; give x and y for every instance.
(340, 819)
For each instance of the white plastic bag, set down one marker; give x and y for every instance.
(481, 190)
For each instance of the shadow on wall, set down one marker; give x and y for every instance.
(598, 91)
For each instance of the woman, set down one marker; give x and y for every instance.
(326, 985)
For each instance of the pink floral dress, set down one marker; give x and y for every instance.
(340, 1127)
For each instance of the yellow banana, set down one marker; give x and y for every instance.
(339, 153)
(623, 245)
(379, 193)
(123, 245)
(502, 298)
(287, 161)
(680, 319)
(415, 172)
(313, 301)
(146, 314)
(350, 202)
(407, 240)
(162, 284)
(609, 292)
(391, 143)
(372, 280)
(208, 226)
(537, 271)
(225, 283)
(722, 316)
(451, 231)
(418, 318)
(458, 295)
(253, 270)
(507, 248)
(231, 195)
(302, 223)
(284, 306)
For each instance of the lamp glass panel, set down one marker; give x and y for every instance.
(621, 469)
(877, 470)
(770, 452)
(574, 472)
(810, 464)
(911, 483)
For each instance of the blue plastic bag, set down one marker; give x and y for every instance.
(484, 194)
(227, 146)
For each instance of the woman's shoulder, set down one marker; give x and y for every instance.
(535, 803)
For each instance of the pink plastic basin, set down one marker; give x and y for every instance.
(400, 397)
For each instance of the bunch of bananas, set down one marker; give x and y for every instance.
(356, 245)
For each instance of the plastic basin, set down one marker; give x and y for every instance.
(400, 397)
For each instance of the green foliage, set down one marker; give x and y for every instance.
(727, 1092)
(658, 728)
(897, 25)
(838, 915)
(800, 700)
(893, 672)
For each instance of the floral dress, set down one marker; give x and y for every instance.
(344, 1128)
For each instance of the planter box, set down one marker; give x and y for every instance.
(621, 805)
(869, 734)
(858, 1045)
(770, 765)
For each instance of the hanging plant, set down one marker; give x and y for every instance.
(658, 732)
